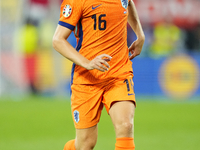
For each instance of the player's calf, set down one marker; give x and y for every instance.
(86, 138)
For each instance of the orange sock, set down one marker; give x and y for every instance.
(125, 143)
(70, 145)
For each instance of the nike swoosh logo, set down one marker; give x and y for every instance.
(131, 94)
(96, 7)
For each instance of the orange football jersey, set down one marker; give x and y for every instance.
(100, 27)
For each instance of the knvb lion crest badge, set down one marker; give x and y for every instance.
(76, 116)
(124, 3)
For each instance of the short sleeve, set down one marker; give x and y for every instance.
(70, 13)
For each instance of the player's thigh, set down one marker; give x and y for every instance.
(119, 90)
(86, 105)
(122, 111)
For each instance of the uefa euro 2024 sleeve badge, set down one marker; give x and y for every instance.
(67, 11)
(124, 3)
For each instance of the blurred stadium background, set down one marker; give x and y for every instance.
(35, 79)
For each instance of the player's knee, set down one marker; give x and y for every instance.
(127, 126)
(124, 128)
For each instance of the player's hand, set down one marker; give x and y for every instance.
(136, 48)
(100, 63)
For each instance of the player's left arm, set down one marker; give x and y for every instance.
(133, 20)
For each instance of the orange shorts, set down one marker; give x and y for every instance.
(87, 101)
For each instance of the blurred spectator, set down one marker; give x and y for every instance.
(166, 38)
(29, 36)
(46, 31)
(45, 77)
(192, 41)
(38, 9)
(28, 40)
(198, 36)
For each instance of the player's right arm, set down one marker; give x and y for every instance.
(61, 45)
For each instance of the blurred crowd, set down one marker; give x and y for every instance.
(166, 39)
(163, 38)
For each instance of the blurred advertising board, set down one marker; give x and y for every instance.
(176, 77)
